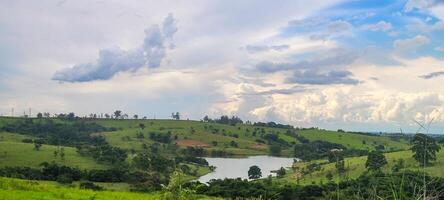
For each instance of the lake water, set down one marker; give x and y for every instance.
(238, 167)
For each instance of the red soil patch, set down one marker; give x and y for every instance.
(191, 143)
(258, 146)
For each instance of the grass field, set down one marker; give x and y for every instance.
(15, 189)
(356, 166)
(13, 152)
(209, 133)
(355, 141)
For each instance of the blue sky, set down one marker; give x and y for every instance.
(356, 65)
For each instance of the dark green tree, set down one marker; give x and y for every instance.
(281, 172)
(424, 149)
(117, 114)
(142, 126)
(375, 161)
(275, 150)
(37, 145)
(254, 172)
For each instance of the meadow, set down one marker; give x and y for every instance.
(355, 166)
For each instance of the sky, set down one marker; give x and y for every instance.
(356, 65)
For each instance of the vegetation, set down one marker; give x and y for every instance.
(159, 157)
(424, 149)
(254, 172)
(375, 161)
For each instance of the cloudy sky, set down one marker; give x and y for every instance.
(357, 65)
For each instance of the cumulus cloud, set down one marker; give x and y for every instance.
(313, 77)
(338, 57)
(339, 105)
(432, 75)
(419, 25)
(410, 44)
(380, 26)
(262, 48)
(112, 61)
(421, 4)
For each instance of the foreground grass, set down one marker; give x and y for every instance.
(14, 189)
(356, 166)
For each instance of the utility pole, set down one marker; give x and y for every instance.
(12, 112)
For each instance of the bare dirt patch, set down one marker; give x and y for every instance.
(191, 143)
(258, 146)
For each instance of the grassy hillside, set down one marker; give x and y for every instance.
(356, 166)
(356, 141)
(23, 154)
(196, 133)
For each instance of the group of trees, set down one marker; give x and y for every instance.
(117, 114)
(224, 119)
(273, 125)
(367, 186)
(57, 133)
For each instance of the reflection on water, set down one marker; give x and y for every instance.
(238, 167)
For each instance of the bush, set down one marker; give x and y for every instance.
(64, 179)
(90, 185)
(27, 140)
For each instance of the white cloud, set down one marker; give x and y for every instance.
(380, 26)
(410, 44)
(434, 7)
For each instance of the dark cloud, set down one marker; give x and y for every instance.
(338, 58)
(112, 61)
(432, 75)
(313, 77)
(261, 48)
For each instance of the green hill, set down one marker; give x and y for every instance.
(355, 166)
(196, 133)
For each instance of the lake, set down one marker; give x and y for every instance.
(238, 167)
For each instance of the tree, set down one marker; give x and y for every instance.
(62, 153)
(254, 172)
(117, 114)
(275, 150)
(37, 145)
(39, 115)
(175, 191)
(175, 116)
(424, 149)
(142, 126)
(281, 172)
(70, 116)
(136, 116)
(206, 118)
(375, 161)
